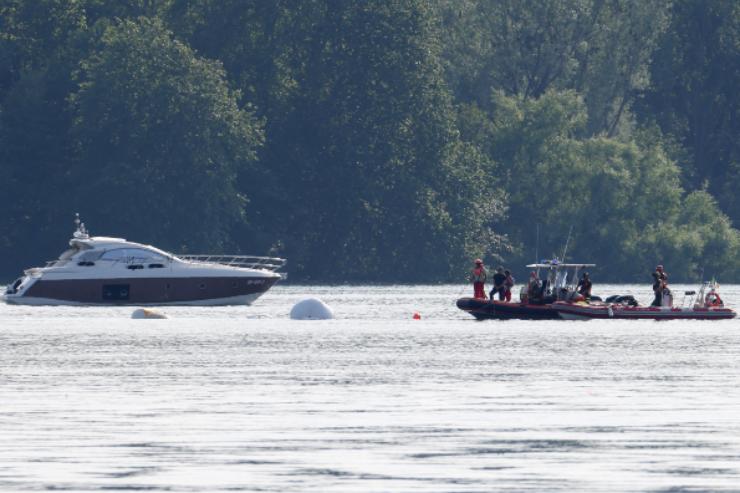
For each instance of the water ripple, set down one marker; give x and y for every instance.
(244, 399)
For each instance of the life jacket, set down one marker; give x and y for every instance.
(713, 299)
(479, 274)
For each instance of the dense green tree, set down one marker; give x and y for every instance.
(96, 10)
(377, 140)
(693, 96)
(161, 138)
(38, 49)
(264, 48)
(36, 36)
(360, 135)
(599, 48)
(621, 201)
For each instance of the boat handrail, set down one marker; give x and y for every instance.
(56, 263)
(247, 261)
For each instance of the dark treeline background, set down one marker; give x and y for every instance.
(377, 140)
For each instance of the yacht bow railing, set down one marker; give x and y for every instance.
(247, 261)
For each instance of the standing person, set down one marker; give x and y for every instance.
(584, 286)
(478, 277)
(660, 285)
(498, 283)
(534, 288)
(712, 298)
(508, 284)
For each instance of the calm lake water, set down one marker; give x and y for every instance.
(243, 398)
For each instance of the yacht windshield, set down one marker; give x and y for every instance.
(67, 254)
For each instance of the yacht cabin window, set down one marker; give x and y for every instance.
(90, 256)
(132, 255)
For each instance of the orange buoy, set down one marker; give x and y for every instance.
(416, 316)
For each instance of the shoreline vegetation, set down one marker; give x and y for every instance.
(380, 142)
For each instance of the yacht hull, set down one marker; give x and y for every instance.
(232, 301)
(198, 291)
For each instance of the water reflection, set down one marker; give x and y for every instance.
(225, 399)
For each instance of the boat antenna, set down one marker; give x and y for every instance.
(567, 240)
(81, 231)
(537, 246)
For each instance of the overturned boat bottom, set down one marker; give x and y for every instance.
(586, 311)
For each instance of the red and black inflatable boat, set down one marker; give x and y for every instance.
(483, 309)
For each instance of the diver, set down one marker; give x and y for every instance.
(498, 284)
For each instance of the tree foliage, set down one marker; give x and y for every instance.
(694, 98)
(377, 140)
(161, 137)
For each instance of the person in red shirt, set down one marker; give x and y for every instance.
(660, 285)
(478, 277)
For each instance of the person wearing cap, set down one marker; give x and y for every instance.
(498, 283)
(712, 298)
(584, 286)
(660, 285)
(478, 277)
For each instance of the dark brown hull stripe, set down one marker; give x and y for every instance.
(147, 291)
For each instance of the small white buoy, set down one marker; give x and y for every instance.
(147, 313)
(311, 309)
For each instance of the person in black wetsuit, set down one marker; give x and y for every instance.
(660, 284)
(584, 286)
(498, 284)
(535, 289)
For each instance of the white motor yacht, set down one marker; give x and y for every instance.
(98, 270)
